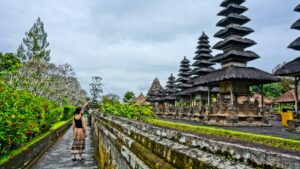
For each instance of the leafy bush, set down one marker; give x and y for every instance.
(127, 110)
(68, 112)
(23, 117)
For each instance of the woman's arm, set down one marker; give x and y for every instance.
(84, 125)
(73, 125)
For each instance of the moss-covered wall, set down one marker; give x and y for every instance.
(123, 143)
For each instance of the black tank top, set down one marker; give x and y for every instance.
(78, 123)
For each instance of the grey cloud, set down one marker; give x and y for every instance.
(130, 42)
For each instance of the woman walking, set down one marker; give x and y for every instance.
(79, 134)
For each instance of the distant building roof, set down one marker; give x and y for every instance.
(141, 100)
(288, 97)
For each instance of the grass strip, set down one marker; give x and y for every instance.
(12, 154)
(283, 143)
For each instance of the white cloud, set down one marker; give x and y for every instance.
(130, 42)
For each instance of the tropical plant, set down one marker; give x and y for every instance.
(127, 110)
(24, 116)
(128, 97)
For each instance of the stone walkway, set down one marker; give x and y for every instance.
(59, 155)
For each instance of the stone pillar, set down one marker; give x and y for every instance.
(296, 93)
(262, 99)
(209, 100)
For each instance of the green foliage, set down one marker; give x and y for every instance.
(96, 87)
(288, 144)
(68, 112)
(128, 97)
(127, 110)
(12, 154)
(274, 90)
(8, 63)
(24, 117)
(35, 43)
(110, 97)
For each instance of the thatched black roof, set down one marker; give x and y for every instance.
(225, 3)
(234, 41)
(295, 44)
(297, 8)
(233, 19)
(291, 68)
(235, 55)
(233, 30)
(184, 74)
(196, 89)
(296, 25)
(202, 64)
(232, 8)
(253, 75)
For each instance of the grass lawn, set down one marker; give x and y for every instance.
(283, 143)
(5, 158)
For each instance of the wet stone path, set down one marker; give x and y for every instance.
(59, 155)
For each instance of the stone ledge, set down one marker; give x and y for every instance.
(136, 155)
(27, 159)
(177, 154)
(252, 155)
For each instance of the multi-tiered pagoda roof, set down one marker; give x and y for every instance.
(171, 85)
(233, 33)
(202, 62)
(154, 90)
(234, 57)
(292, 68)
(184, 75)
(296, 43)
(168, 94)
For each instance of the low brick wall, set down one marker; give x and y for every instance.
(124, 143)
(28, 158)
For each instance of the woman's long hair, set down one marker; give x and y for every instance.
(77, 110)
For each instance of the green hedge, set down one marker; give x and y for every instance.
(127, 110)
(288, 144)
(68, 112)
(24, 116)
(26, 146)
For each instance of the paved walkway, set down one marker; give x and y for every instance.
(276, 129)
(59, 155)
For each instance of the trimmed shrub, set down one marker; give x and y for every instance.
(23, 117)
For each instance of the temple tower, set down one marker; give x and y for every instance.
(234, 43)
(184, 75)
(202, 64)
(292, 68)
(234, 78)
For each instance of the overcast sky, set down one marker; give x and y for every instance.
(130, 42)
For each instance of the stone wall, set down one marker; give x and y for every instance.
(123, 143)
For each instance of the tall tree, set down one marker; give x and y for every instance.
(35, 44)
(128, 97)
(8, 63)
(96, 87)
